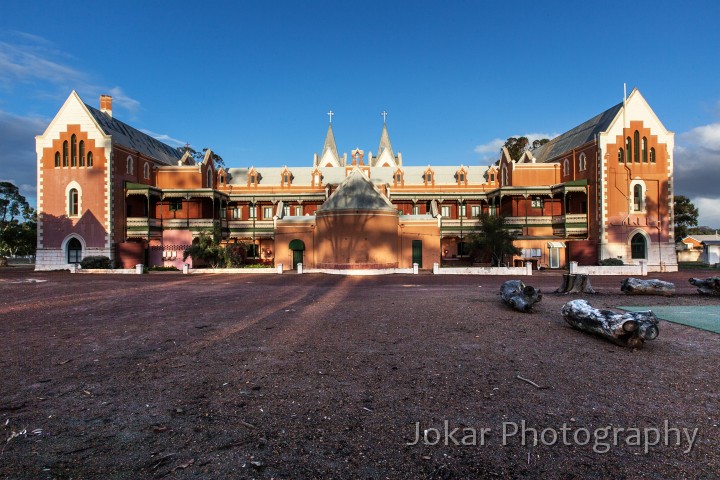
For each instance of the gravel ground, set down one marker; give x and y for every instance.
(318, 376)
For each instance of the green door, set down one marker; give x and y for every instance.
(417, 252)
(297, 247)
(297, 258)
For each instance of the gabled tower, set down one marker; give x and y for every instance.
(385, 156)
(329, 156)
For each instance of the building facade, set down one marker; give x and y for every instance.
(601, 190)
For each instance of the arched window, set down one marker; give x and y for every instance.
(652, 155)
(638, 246)
(74, 251)
(82, 153)
(146, 171)
(129, 166)
(89, 159)
(566, 167)
(57, 159)
(636, 151)
(628, 149)
(638, 198)
(73, 203)
(73, 151)
(582, 162)
(621, 156)
(644, 150)
(65, 153)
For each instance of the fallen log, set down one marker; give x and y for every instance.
(629, 329)
(708, 286)
(575, 283)
(518, 296)
(636, 286)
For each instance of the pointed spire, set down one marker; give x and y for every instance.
(385, 143)
(330, 144)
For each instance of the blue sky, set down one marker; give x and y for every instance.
(254, 80)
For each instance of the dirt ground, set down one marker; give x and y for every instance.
(317, 376)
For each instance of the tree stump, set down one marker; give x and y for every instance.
(709, 286)
(636, 286)
(575, 283)
(518, 296)
(629, 329)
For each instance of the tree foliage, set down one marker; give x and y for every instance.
(200, 156)
(207, 248)
(492, 240)
(516, 146)
(686, 216)
(18, 223)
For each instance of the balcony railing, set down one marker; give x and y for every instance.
(529, 220)
(570, 218)
(142, 222)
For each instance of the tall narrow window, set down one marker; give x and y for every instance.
(638, 200)
(644, 150)
(652, 155)
(146, 171)
(636, 151)
(252, 211)
(89, 159)
(628, 149)
(73, 151)
(210, 178)
(582, 162)
(57, 159)
(566, 167)
(65, 153)
(129, 166)
(621, 156)
(82, 153)
(73, 203)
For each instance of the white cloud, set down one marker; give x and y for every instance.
(173, 142)
(17, 136)
(493, 146)
(697, 170)
(37, 65)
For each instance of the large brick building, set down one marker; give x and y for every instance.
(601, 190)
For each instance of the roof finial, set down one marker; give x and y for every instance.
(330, 114)
(384, 115)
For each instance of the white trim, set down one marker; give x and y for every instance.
(648, 243)
(631, 197)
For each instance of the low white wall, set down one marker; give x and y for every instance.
(485, 271)
(634, 270)
(120, 271)
(383, 271)
(233, 270)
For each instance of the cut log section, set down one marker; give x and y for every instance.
(709, 286)
(575, 283)
(629, 329)
(518, 296)
(636, 286)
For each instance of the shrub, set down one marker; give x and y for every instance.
(160, 268)
(96, 261)
(611, 262)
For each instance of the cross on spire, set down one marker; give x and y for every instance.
(330, 114)
(384, 115)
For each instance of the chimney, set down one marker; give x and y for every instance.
(106, 104)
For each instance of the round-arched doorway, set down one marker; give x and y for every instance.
(297, 247)
(638, 247)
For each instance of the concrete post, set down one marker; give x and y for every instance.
(415, 268)
(573, 267)
(299, 268)
(528, 268)
(279, 268)
(186, 268)
(436, 268)
(643, 268)
(139, 268)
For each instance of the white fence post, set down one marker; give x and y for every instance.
(415, 268)
(186, 268)
(573, 267)
(279, 268)
(139, 268)
(299, 268)
(528, 268)
(436, 268)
